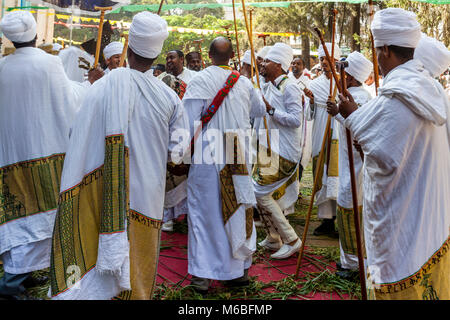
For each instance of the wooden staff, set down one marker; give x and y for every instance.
(250, 38)
(362, 276)
(228, 32)
(160, 7)
(199, 43)
(332, 45)
(236, 35)
(263, 36)
(374, 54)
(124, 51)
(100, 30)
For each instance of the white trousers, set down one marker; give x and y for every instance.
(327, 209)
(274, 221)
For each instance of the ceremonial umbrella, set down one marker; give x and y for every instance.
(81, 6)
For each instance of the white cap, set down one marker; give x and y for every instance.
(113, 48)
(433, 54)
(19, 26)
(337, 51)
(281, 53)
(247, 57)
(147, 34)
(359, 67)
(395, 26)
(263, 52)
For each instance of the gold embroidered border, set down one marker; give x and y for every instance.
(347, 232)
(430, 282)
(30, 187)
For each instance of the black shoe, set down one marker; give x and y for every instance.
(36, 281)
(339, 267)
(326, 228)
(349, 275)
(236, 283)
(200, 285)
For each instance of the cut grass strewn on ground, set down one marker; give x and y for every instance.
(308, 283)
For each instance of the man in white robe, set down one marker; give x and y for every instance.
(276, 183)
(71, 62)
(175, 66)
(318, 93)
(299, 73)
(107, 230)
(36, 109)
(112, 53)
(302, 77)
(357, 72)
(403, 133)
(221, 234)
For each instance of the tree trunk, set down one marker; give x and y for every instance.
(330, 22)
(305, 50)
(356, 28)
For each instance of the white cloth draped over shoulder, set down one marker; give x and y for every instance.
(344, 196)
(129, 103)
(218, 251)
(69, 58)
(36, 111)
(321, 90)
(403, 133)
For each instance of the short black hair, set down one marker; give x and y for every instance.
(219, 55)
(179, 53)
(160, 67)
(190, 55)
(31, 43)
(301, 59)
(402, 52)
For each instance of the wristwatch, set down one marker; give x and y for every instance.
(271, 111)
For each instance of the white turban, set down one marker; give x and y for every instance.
(433, 54)
(247, 57)
(113, 48)
(19, 26)
(57, 47)
(337, 51)
(281, 53)
(358, 66)
(263, 52)
(395, 26)
(147, 34)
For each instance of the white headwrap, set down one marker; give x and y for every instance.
(113, 48)
(281, 53)
(247, 57)
(337, 50)
(147, 34)
(263, 52)
(433, 54)
(395, 26)
(19, 26)
(358, 66)
(57, 47)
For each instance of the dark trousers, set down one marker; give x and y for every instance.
(12, 284)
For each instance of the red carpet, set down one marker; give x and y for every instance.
(173, 265)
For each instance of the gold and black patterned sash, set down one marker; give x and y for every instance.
(229, 202)
(30, 187)
(98, 204)
(270, 170)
